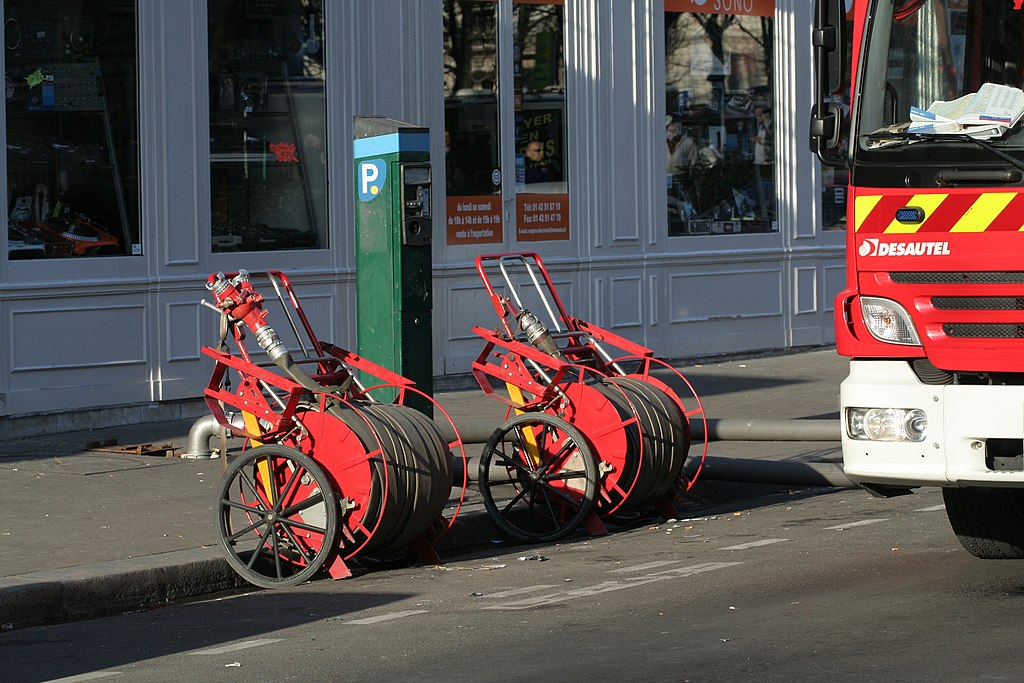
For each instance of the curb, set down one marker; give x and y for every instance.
(113, 587)
(142, 583)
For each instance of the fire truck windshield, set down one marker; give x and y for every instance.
(920, 52)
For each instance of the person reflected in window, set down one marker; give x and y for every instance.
(454, 175)
(707, 155)
(763, 138)
(681, 149)
(539, 168)
(680, 162)
(764, 159)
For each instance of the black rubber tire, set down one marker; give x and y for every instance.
(541, 510)
(988, 522)
(265, 543)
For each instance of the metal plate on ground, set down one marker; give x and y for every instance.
(58, 456)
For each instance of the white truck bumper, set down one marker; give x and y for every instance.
(961, 419)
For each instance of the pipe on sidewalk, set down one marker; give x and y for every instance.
(741, 429)
(204, 429)
(479, 429)
(721, 468)
(781, 472)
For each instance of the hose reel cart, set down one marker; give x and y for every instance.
(336, 465)
(588, 435)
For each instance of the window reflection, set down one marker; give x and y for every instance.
(539, 71)
(471, 135)
(268, 139)
(72, 128)
(538, 67)
(471, 111)
(719, 132)
(473, 139)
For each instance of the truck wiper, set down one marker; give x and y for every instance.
(886, 138)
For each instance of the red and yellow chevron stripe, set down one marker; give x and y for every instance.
(943, 212)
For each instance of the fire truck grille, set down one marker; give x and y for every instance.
(979, 311)
(959, 278)
(983, 331)
(978, 303)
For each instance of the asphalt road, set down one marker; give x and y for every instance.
(805, 586)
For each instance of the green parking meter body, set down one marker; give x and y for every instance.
(393, 253)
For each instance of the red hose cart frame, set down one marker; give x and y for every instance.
(594, 432)
(331, 471)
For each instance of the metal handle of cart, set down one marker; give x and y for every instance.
(531, 264)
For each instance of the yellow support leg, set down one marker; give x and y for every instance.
(252, 425)
(532, 449)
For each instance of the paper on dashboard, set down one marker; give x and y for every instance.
(987, 113)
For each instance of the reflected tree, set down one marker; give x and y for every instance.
(471, 44)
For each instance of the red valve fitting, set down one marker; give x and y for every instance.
(237, 298)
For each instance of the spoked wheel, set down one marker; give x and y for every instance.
(277, 516)
(549, 481)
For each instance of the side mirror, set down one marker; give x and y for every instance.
(826, 125)
(828, 39)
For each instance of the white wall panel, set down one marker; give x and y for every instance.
(182, 331)
(653, 300)
(173, 102)
(716, 295)
(612, 102)
(467, 306)
(68, 338)
(626, 298)
(318, 307)
(64, 357)
(6, 337)
(813, 278)
(835, 281)
(805, 290)
(566, 289)
(792, 104)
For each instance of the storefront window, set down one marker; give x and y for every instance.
(471, 135)
(474, 98)
(542, 200)
(719, 131)
(72, 129)
(268, 138)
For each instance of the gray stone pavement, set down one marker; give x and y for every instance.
(86, 532)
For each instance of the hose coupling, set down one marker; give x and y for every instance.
(537, 333)
(268, 340)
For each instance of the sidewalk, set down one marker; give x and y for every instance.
(86, 532)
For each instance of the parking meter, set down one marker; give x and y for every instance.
(394, 230)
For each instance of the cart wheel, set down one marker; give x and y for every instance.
(277, 516)
(551, 477)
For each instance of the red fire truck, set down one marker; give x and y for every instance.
(932, 316)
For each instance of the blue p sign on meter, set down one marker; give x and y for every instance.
(372, 175)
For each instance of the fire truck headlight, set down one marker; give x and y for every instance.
(886, 424)
(888, 321)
